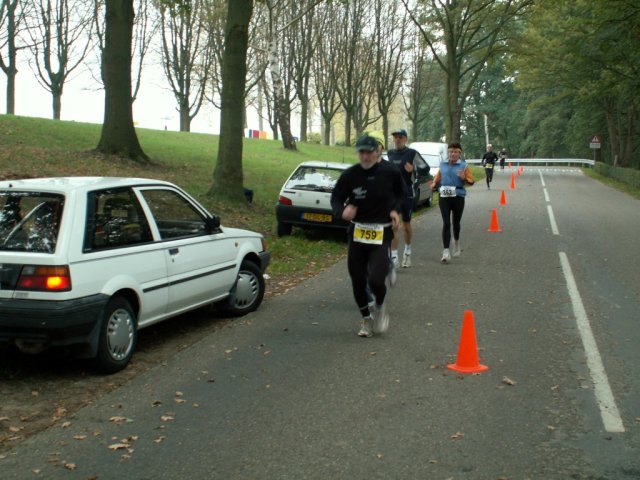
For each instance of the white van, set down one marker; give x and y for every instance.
(432, 152)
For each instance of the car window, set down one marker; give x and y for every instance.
(314, 178)
(29, 222)
(115, 219)
(174, 215)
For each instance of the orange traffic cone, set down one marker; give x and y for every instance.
(467, 361)
(509, 164)
(503, 198)
(513, 181)
(494, 226)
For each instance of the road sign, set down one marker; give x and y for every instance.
(595, 141)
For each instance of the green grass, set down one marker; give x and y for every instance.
(35, 147)
(635, 192)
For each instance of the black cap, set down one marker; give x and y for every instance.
(400, 131)
(366, 143)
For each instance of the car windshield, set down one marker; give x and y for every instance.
(318, 179)
(29, 222)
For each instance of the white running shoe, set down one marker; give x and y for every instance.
(366, 330)
(406, 260)
(394, 262)
(392, 276)
(381, 319)
(446, 256)
(456, 248)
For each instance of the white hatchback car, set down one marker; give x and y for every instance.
(87, 261)
(305, 198)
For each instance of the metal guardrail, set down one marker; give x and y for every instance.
(541, 161)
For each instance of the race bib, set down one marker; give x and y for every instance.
(447, 191)
(368, 233)
(488, 166)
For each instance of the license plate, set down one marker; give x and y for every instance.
(317, 217)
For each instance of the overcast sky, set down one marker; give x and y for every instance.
(83, 101)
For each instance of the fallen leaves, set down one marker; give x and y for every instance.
(457, 436)
(508, 381)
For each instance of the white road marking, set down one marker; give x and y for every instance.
(541, 178)
(552, 219)
(546, 195)
(604, 396)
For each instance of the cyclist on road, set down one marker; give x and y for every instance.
(369, 195)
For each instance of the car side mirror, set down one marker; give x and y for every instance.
(212, 224)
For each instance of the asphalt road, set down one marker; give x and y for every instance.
(290, 392)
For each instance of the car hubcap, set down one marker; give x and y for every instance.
(120, 334)
(246, 290)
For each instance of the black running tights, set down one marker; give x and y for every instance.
(451, 207)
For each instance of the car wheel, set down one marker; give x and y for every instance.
(284, 229)
(118, 336)
(248, 291)
(429, 199)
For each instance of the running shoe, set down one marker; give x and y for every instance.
(366, 330)
(406, 260)
(446, 256)
(381, 319)
(394, 262)
(392, 276)
(456, 248)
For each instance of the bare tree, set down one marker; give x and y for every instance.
(186, 54)
(390, 35)
(324, 67)
(228, 174)
(118, 133)
(471, 32)
(302, 52)
(145, 27)
(365, 103)
(351, 20)
(11, 21)
(60, 40)
(421, 88)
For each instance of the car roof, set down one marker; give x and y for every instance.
(320, 164)
(69, 184)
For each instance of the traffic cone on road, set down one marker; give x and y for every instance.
(503, 198)
(494, 226)
(468, 361)
(513, 181)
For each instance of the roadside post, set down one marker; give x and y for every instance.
(594, 144)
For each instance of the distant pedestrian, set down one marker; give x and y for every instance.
(450, 182)
(369, 195)
(489, 160)
(503, 158)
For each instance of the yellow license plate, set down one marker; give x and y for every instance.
(317, 217)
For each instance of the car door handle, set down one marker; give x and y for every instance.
(174, 251)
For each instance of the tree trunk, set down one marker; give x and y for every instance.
(118, 133)
(10, 68)
(57, 104)
(11, 90)
(326, 135)
(228, 176)
(347, 128)
(281, 111)
(185, 118)
(304, 114)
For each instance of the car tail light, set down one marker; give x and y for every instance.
(44, 278)
(284, 200)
